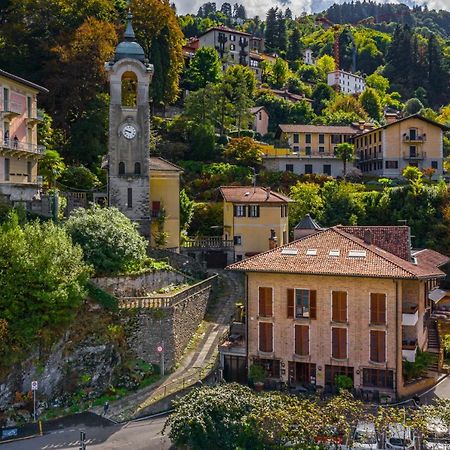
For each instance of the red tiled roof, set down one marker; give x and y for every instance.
(377, 263)
(430, 257)
(226, 30)
(285, 128)
(249, 194)
(393, 239)
(161, 164)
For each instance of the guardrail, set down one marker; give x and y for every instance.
(11, 144)
(166, 300)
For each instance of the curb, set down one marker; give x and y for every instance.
(9, 441)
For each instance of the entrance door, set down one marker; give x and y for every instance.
(234, 369)
(302, 373)
(331, 372)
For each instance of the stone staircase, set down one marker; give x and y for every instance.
(433, 348)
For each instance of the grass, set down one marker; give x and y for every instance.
(195, 339)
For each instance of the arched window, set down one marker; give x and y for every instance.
(129, 90)
(137, 168)
(121, 168)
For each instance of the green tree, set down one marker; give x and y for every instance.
(321, 96)
(307, 200)
(271, 31)
(205, 68)
(326, 64)
(438, 74)
(345, 152)
(412, 106)
(378, 82)
(186, 210)
(79, 177)
(51, 167)
(371, 103)
(110, 241)
(244, 151)
(202, 142)
(41, 287)
(280, 72)
(295, 46)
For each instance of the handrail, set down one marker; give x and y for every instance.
(11, 144)
(208, 242)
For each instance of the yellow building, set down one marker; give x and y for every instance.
(339, 303)
(165, 203)
(19, 149)
(411, 141)
(255, 218)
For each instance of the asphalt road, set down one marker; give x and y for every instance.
(145, 435)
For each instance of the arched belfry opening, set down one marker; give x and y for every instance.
(129, 90)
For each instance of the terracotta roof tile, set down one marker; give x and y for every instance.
(430, 257)
(157, 163)
(376, 263)
(249, 194)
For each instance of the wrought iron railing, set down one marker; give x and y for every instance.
(11, 144)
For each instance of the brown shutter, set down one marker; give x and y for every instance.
(290, 303)
(265, 337)
(313, 304)
(265, 302)
(339, 343)
(302, 340)
(339, 306)
(377, 346)
(377, 308)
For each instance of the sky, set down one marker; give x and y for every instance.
(260, 7)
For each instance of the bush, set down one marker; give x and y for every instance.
(110, 241)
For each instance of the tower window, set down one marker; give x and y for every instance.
(129, 90)
(121, 168)
(137, 168)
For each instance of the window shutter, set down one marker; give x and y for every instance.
(265, 302)
(377, 308)
(265, 337)
(290, 303)
(313, 304)
(378, 346)
(301, 340)
(339, 306)
(235, 211)
(339, 343)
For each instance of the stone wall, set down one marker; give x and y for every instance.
(129, 286)
(147, 328)
(180, 261)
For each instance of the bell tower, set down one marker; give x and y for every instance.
(130, 76)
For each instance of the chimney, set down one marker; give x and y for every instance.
(368, 237)
(267, 193)
(390, 117)
(273, 241)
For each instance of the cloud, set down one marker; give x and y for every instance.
(260, 7)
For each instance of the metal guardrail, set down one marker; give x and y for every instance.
(165, 300)
(11, 144)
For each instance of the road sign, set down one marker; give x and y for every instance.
(159, 349)
(34, 385)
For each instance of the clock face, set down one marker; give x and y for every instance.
(129, 132)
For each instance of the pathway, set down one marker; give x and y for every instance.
(196, 364)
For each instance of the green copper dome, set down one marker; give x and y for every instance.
(129, 48)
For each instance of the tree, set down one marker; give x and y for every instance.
(280, 71)
(110, 241)
(326, 64)
(412, 106)
(321, 96)
(244, 151)
(79, 177)
(294, 51)
(186, 210)
(345, 152)
(205, 68)
(281, 31)
(41, 287)
(415, 179)
(271, 30)
(51, 167)
(159, 33)
(202, 142)
(345, 104)
(378, 82)
(371, 103)
(438, 74)
(307, 201)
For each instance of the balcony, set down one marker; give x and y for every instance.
(418, 139)
(35, 120)
(410, 315)
(10, 147)
(409, 349)
(208, 242)
(414, 156)
(11, 110)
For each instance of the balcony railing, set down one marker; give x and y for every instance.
(11, 145)
(303, 154)
(414, 155)
(208, 242)
(418, 138)
(409, 350)
(410, 315)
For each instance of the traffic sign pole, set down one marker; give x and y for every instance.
(160, 350)
(34, 388)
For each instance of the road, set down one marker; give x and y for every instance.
(145, 435)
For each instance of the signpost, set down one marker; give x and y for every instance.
(34, 388)
(82, 440)
(160, 350)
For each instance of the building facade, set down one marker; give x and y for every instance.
(255, 218)
(411, 141)
(346, 82)
(333, 304)
(260, 120)
(19, 148)
(308, 57)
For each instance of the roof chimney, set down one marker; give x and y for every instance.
(390, 117)
(368, 237)
(267, 193)
(273, 241)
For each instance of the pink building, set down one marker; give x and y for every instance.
(261, 120)
(19, 149)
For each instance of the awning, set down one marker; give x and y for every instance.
(438, 294)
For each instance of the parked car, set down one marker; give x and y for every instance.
(365, 436)
(399, 437)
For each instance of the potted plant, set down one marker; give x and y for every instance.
(258, 375)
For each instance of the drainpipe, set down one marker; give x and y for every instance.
(247, 319)
(396, 337)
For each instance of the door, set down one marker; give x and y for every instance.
(216, 259)
(234, 369)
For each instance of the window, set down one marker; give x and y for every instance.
(412, 134)
(301, 340)
(29, 171)
(265, 337)
(335, 139)
(237, 240)
(301, 303)
(308, 150)
(253, 211)
(339, 343)
(391, 164)
(321, 139)
(265, 295)
(284, 210)
(137, 168)
(378, 378)
(327, 169)
(130, 198)
(378, 346)
(370, 139)
(121, 168)
(321, 149)
(260, 115)
(379, 136)
(289, 167)
(412, 150)
(29, 107)
(331, 372)
(232, 47)
(296, 138)
(271, 366)
(339, 306)
(434, 165)
(377, 309)
(232, 37)
(5, 99)
(308, 168)
(307, 138)
(239, 211)
(7, 169)
(129, 90)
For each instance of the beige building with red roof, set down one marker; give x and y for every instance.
(339, 302)
(255, 218)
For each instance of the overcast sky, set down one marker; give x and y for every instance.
(260, 7)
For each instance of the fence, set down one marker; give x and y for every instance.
(208, 242)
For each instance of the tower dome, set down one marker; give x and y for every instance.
(129, 48)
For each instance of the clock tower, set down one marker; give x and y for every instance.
(130, 76)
